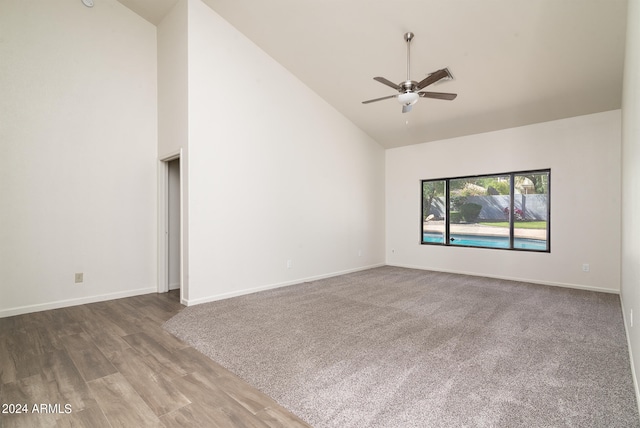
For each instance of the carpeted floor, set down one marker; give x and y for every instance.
(395, 347)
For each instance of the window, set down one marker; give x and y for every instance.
(508, 211)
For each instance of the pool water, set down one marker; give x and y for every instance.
(488, 241)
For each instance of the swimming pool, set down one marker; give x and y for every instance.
(487, 241)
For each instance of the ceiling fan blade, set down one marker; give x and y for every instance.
(388, 83)
(379, 99)
(438, 95)
(433, 78)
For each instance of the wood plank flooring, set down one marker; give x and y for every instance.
(111, 364)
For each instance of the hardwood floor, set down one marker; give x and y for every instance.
(111, 364)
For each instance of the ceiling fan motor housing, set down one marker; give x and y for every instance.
(409, 85)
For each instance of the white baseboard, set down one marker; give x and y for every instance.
(223, 296)
(174, 286)
(74, 302)
(532, 281)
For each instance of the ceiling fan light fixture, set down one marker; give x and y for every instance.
(408, 98)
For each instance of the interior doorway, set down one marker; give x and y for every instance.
(171, 235)
(173, 226)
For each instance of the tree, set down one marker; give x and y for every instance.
(499, 187)
(430, 191)
(539, 181)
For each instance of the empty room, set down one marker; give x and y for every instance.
(319, 214)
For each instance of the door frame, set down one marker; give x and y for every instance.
(163, 223)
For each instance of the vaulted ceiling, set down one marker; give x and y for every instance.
(514, 62)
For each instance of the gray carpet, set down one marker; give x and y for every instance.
(395, 347)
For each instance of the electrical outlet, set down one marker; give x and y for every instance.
(289, 264)
(585, 267)
(359, 253)
(79, 278)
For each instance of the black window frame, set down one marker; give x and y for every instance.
(447, 229)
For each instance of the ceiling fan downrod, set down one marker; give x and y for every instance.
(408, 37)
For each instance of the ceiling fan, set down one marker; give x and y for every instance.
(410, 90)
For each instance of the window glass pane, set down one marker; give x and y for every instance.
(479, 211)
(531, 209)
(433, 210)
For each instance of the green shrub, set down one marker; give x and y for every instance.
(456, 201)
(470, 212)
(498, 187)
(455, 216)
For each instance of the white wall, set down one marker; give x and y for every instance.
(172, 81)
(78, 165)
(275, 173)
(584, 156)
(630, 292)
